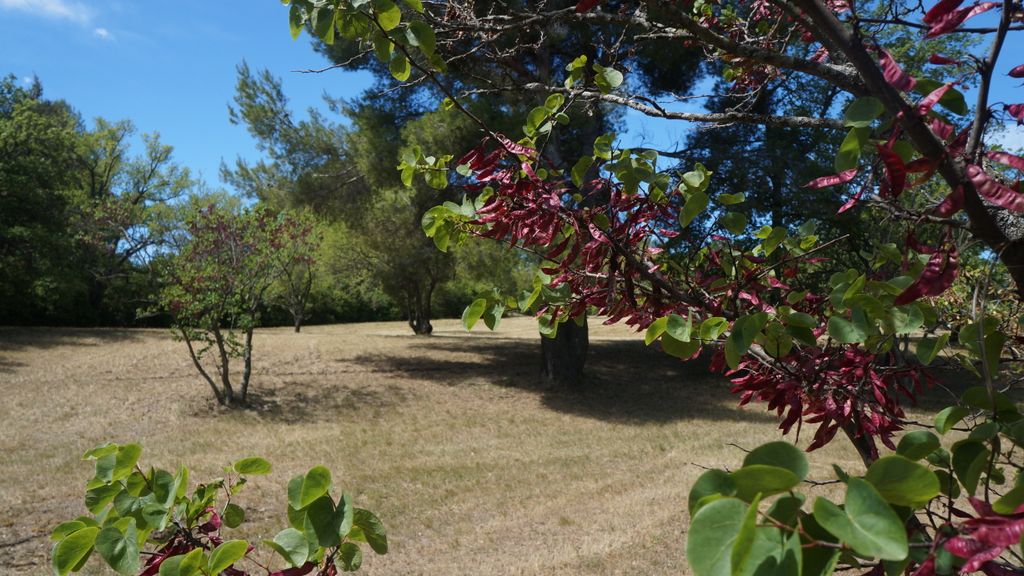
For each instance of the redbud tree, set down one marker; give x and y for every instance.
(663, 252)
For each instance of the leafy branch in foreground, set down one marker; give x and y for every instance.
(148, 522)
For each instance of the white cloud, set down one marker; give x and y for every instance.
(103, 33)
(1011, 137)
(62, 9)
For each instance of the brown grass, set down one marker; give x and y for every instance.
(473, 465)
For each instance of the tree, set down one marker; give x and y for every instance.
(217, 286)
(297, 267)
(40, 142)
(815, 357)
(502, 74)
(80, 213)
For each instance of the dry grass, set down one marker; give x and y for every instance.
(474, 467)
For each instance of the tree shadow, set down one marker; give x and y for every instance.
(12, 338)
(626, 381)
(293, 401)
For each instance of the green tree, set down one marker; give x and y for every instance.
(217, 286)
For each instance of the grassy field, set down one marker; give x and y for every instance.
(472, 464)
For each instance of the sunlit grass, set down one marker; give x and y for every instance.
(474, 466)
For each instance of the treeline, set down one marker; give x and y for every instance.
(89, 225)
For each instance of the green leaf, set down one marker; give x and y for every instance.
(65, 529)
(863, 111)
(712, 328)
(849, 151)
(554, 102)
(679, 327)
(948, 417)
(473, 312)
(918, 444)
(711, 482)
(713, 531)
(655, 330)
(399, 67)
(303, 490)
(1010, 501)
(744, 330)
(579, 170)
(683, 350)
(388, 15)
(928, 348)
(233, 515)
(422, 35)
(183, 565)
(607, 79)
(969, 461)
(292, 545)
(729, 199)
(350, 556)
(603, 146)
(695, 204)
(868, 524)
(73, 550)
(903, 482)
(786, 509)
(295, 20)
(372, 530)
(762, 479)
(226, 554)
(846, 332)
(780, 454)
(734, 222)
(119, 547)
(743, 545)
(252, 466)
(326, 523)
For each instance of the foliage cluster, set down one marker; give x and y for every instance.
(150, 522)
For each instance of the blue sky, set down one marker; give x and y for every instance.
(169, 66)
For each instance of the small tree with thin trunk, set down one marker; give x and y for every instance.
(218, 283)
(297, 266)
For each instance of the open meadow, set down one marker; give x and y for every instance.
(474, 467)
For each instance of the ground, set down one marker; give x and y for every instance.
(472, 464)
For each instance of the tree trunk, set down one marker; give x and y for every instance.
(565, 355)
(298, 323)
(419, 310)
(228, 393)
(247, 360)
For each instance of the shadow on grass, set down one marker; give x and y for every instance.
(626, 381)
(292, 402)
(17, 338)
(43, 338)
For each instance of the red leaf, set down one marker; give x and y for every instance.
(832, 179)
(994, 191)
(516, 148)
(851, 202)
(929, 101)
(950, 21)
(894, 75)
(941, 9)
(1017, 71)
(951, 204)
(586, 5)
(940, 60)
(1017, 111)
(895, 171)
(1008, 159)
(938, 275)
